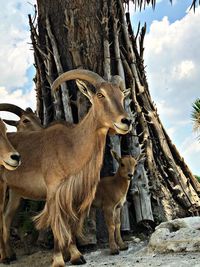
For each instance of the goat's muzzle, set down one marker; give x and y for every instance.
(124, 126)
(12, 161)
(130, 176)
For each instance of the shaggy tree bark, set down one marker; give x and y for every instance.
(97, 35)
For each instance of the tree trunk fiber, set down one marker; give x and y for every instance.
(97, 35)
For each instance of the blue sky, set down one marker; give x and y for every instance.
(174, 11)
(171, 54)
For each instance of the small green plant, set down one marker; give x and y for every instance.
(196, 114)
(198, 178)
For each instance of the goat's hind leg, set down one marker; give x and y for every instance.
(122, 245)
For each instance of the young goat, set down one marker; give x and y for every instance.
(110, 197)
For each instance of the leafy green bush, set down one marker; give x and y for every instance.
(198, 177)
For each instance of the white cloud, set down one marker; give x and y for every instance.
(172, 56)
(19, 98)
(183, 69)
(15, 54)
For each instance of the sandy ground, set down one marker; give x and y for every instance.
(135, 256)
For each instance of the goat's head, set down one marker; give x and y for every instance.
(107, 101)
(9, 157)
(28, 120)
(127, 165)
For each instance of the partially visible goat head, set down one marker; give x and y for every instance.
(108, 100)
(127, 165)
(28, 119)
(9, 157)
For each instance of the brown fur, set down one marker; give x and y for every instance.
(110, 197)
(73, 196)
(64, 163)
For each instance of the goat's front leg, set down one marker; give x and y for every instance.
(122, 245)
(11, 208)
(109, 218)
(58, 260)
(3, 187)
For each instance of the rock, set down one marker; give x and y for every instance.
(137, 240)
(176, 236)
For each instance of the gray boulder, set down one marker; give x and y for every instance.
(176, 236)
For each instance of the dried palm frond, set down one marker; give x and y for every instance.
(143, 3)
(194, 4)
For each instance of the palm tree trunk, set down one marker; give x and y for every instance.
(97, 35)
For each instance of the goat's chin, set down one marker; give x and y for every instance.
(121, 128)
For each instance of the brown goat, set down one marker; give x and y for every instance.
(110, 197)
(62, 164)
(28, 120)
(10, 160)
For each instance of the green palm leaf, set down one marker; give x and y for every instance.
(196, 114)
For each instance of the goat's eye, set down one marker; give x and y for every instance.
(100, 95)
(122, 164)
(25, 121)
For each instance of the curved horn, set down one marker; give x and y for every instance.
(80, 74)
(12, 108)
(11, 122)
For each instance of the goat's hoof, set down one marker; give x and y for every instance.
(57, 264)
(78, 261)
(13, 257)
(123, 247)
(114, 251)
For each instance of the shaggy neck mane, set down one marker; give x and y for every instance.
(82, 184)
(76, 192)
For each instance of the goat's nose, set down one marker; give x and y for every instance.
(126, 121)
(130, 175)
(16, 157)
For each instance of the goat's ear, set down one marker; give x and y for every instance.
(115, 156)
(84, 89)
(29, 110)
(127, 92)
